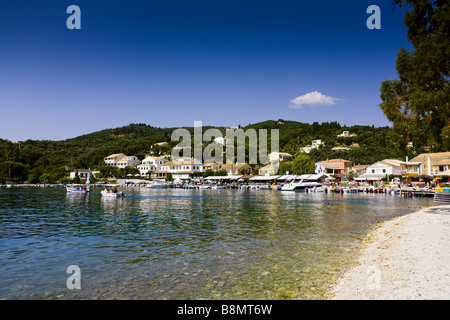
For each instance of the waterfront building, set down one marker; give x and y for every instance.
(338, 167)
(185, 169)
(427, 164)
(82, 173)
(380, 169)
(150, 164)
(236, 168)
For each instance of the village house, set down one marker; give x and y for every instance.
(359, 168)
(128, 161)
(236, 168)
(150, 164)
(112, 159)
(314, 145)
(346, 134)
(211, 166)
(220, 140)
(427, 164)
(268, 170)
(381, 169)
(338, 167)
(280, 156)
(82, 173)
(186, 169)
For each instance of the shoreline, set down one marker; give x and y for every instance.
(406, 258)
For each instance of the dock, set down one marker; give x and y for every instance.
(413, 192)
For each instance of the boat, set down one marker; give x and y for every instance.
(300, 186)
(378, 190)
(78, 189)
(216, 187)
(265, 186)
(350, 190)
(203, 186)
(157, 184)
(111, 194)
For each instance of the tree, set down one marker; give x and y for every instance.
(285, 167)
(418, 102)
(12, 171)
(302, 164)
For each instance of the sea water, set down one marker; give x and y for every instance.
(184, 244)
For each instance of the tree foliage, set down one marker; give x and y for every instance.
(302, 164)
(418, 102)
(52, 161)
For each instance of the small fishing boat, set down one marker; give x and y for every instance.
(77, 189)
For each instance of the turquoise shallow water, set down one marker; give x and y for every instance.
(184, 244)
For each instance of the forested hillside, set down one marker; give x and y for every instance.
(51, 161)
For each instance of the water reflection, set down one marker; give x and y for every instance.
(183, 244)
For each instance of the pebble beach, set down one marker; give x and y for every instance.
(407, 258)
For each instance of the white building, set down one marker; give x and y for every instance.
(346, 134)
(267, 170)
(180, 169)
(220, 140)
(314, 145)
(380, 169)
(82, 173)
(128, 161)
(113, 159)
(279, 156)
(150, 164)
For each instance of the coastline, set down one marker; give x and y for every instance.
(406, 258)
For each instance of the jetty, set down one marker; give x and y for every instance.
(414, 192)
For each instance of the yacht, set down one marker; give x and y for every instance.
(301, 185)
(156, 184)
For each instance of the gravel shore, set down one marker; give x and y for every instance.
(407, 258)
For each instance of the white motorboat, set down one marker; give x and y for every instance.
(300, 186)
(203, 186)
(350, 190)
(77, 189)
(319, 189)
(216, 187)
(156, 184)
(112, 194)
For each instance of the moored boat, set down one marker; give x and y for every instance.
(111, 194)
(77, 189)
(156, 184)
(300, 186)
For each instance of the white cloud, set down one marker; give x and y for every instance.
(314, 98)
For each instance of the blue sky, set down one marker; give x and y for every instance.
(170, 63)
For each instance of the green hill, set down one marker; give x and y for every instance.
(44, 160)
